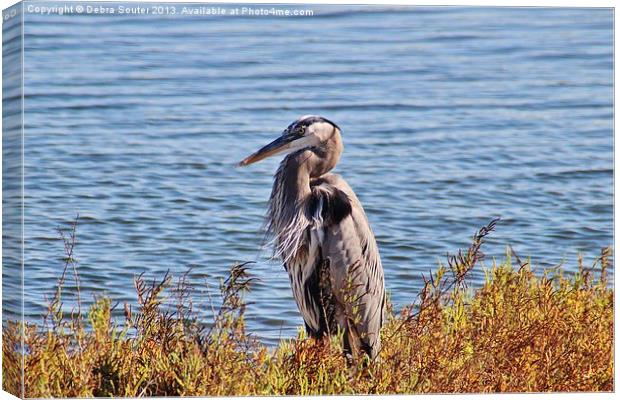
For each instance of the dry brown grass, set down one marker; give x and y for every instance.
(518, 332)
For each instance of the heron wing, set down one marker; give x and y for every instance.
(306, 283)
(348, 245)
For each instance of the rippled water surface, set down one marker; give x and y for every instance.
(450, 117)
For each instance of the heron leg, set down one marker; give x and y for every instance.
(326, 299)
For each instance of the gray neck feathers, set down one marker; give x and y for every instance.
(288, 215)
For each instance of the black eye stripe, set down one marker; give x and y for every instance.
(299, 127)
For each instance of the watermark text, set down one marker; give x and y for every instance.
(166, 9)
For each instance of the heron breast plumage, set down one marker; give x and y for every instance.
(336, 264)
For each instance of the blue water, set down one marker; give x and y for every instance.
(450, 117)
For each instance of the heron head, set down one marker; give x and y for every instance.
(307, 131)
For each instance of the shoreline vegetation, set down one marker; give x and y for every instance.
(518, 332)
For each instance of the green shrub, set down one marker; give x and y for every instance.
(518, 332)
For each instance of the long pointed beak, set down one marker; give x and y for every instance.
(280, 145)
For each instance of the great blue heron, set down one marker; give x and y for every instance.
(322, 235)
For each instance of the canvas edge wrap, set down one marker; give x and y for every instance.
(13, 194)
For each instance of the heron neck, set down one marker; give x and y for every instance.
(295, 176)
(298, 169)
(311, 164)
(326, 156)
(287, 218)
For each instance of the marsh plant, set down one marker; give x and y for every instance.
(517, 332)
